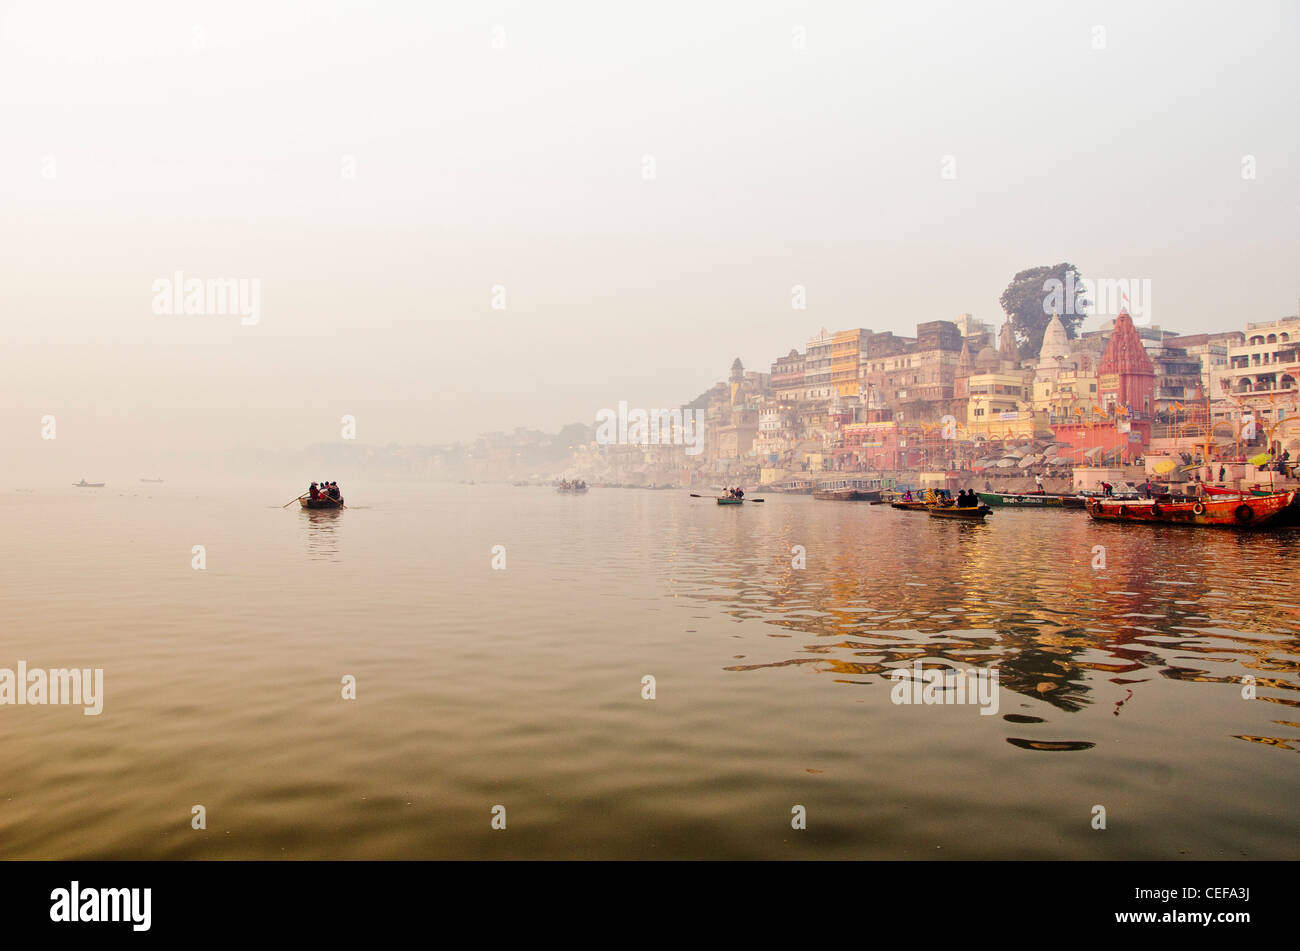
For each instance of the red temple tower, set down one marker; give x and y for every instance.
(1125, 375)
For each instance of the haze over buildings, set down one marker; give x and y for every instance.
(383, 172)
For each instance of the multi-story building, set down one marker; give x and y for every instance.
(1261, 379)
(999, 394)
(1178, 377)
(788, 382)
(1265, 362)
(970, 328)
(1211, 350)
(847, 347)
(817, 367)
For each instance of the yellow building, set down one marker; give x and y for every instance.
(999, 406)
(846, 346)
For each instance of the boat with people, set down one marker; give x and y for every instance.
(969, 512)
(151, 480)
(325, 503)
(83, 484)
(571, 485)
(1220, 511)
(321, 495)
(965, 505)
(909, 502)
(731, 495)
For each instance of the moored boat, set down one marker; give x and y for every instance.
(1237, 511)
(914, 506)
(83, 484)
(847, 495)
(1025, 500)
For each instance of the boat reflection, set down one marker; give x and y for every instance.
(321, 527)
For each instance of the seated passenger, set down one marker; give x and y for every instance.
(315, 492)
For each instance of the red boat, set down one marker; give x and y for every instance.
(1237, 511)
(1215, 490)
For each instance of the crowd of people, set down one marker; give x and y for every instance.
(964, 499)
(572, 485)
(325, 490)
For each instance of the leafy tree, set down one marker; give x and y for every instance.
(1031, 297)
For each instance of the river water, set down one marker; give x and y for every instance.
(769, 630)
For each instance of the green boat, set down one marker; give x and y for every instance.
(1027, 500)
(730, 501)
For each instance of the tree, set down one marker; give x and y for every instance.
(1031, 297)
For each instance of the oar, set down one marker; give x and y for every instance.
(287, 504)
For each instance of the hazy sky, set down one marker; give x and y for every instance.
(504, 144)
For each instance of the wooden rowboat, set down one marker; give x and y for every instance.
(730, 501)
(913, 506)
(83, 484)
(321, 504)
(971, 512)
(1242, 511)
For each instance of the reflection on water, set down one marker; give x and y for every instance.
(888, 588)
(321, 527)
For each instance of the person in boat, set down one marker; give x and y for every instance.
(740, 493)
(1107, 489)
(315, 492)
(1038, 485)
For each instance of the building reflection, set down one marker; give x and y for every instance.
(884, 589)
